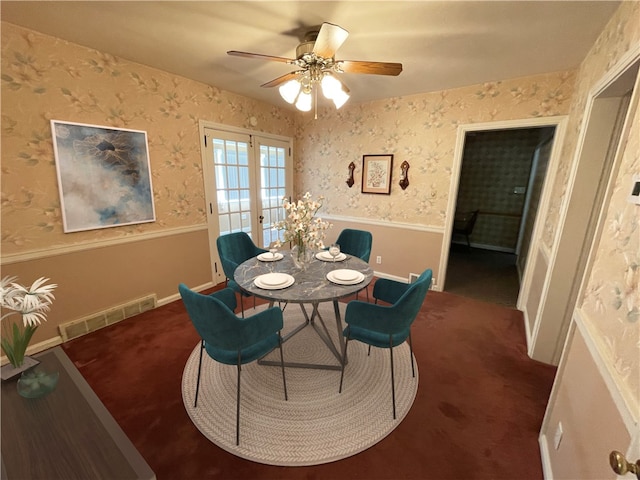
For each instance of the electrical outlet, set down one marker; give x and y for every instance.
(557, 438)
(378, 259)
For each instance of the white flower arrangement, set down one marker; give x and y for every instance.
(32, 304)
(301, 226)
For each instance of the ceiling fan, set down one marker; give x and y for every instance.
(315, 57)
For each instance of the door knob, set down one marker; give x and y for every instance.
(621, 466)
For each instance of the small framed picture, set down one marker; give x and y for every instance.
(376, 173)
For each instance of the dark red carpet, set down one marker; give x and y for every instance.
(477, 414)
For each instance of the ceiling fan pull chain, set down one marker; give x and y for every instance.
(315, 103)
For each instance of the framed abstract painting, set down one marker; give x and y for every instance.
(376, 173)
(104, 176)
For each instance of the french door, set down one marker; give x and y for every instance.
(246, 176)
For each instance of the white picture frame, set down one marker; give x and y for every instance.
(104, 176)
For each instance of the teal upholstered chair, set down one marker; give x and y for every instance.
(233, 249)
(356, 243)
(386, 326)
(230, 339)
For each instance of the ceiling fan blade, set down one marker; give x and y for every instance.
(330, 37)
(282, 79)
(236, 53)
(375, 68)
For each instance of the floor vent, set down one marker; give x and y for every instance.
(96, 321)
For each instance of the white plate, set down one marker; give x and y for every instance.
(326, 256)
(267, 257)
(273, 279)
(345, 275)
(339, 277)
(259, 281)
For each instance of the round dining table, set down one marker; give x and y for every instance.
(310, 287)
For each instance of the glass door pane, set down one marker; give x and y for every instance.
(273, 186)
(233, 188)
(245, 179)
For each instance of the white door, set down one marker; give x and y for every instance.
(246, 176)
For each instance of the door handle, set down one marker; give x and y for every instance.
(261, 218)
(621, 466)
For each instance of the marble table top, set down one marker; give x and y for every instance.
(310, 286)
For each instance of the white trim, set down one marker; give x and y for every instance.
(547, 473)
(556, 121)
(613, 75)
(385, 223)
(37, 347)
(176, 296)
(624, 63)
(91, 245)
(243, 131)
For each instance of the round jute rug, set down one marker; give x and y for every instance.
(317, 424)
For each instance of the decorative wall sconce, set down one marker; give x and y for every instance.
(404, 174)
(350, 181)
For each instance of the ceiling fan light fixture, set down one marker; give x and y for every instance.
(331, 86)
(340, 98)
(289, 91)
(304, 101)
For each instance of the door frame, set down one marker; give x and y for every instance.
(559, 123)
(213, 231)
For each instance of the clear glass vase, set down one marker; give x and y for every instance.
(37, 382)
(302, 256)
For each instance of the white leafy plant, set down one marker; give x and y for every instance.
(301, 226)
(32, 304)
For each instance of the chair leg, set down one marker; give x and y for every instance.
(241, 304)
(393, 383)
(195, 403)
(369, 351)
(284, 380)
(413, 369)
(238, 405)
(344, 355)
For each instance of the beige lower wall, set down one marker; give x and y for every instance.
(96, 279)
(592, 423)
(404, 249)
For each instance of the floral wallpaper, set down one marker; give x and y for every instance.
(615, 40)
(46, 78)
(611, 299)
(420, 129)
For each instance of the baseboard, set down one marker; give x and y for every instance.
(37, 347)
(547, 474)
(176, 296)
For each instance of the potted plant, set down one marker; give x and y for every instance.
(32, 304)
(302, 228)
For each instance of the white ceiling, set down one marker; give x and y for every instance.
(441, 44)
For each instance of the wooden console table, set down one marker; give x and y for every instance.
(68, 434)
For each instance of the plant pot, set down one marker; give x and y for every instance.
(37, 382)
(8, 371)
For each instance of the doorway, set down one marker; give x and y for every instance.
(246, 175)
(501, 176)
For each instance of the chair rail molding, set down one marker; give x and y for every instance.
(11, 258)
(385, 223)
